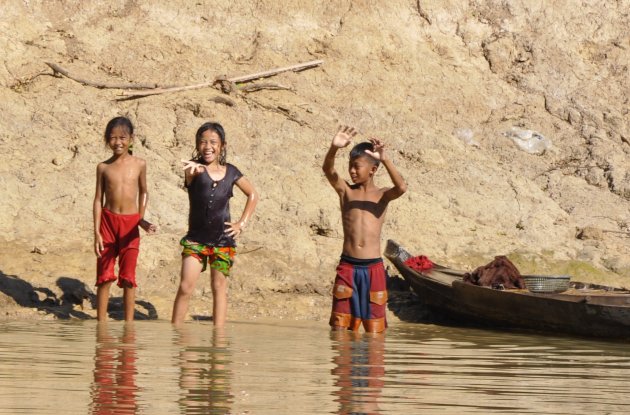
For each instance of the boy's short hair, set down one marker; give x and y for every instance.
(359, 151)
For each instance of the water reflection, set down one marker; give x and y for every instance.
(114, 388)
(359, 370)
(299, 368)
(205, 374)
(455, 370)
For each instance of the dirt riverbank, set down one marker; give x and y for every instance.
(445, 83)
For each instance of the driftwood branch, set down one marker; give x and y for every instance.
(225, 84)
(251, 250)
(157, 91)
(266, 74)
(261, 86)
(286, 112)
(20, 82)
(101, 85)
(234, 80)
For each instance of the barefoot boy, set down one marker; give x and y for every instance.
(360, 293)
(119, 205)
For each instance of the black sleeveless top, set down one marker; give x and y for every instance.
(210, 208)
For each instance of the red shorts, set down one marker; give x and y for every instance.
(121, 238)
(359, 295)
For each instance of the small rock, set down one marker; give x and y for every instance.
(590, 232)
(528, 140)
(466, 135)
(39, 250)
(574, 117)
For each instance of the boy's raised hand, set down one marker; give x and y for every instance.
(344, 136)
(379, 149)
(195, 168)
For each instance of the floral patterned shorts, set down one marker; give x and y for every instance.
(221, 258)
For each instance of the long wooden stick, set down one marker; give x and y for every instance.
(101, 85)
(263, 85)
(157, 91)
(266, 74)
(236, 79)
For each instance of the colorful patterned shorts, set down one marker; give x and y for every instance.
(360, 295)
(221, 258)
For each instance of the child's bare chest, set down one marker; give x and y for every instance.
(364, 205)
(121, 174)
(358, 196)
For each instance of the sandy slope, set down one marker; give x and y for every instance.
(421, 75)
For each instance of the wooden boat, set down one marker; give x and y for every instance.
(584, 309)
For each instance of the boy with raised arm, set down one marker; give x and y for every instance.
(360, 292)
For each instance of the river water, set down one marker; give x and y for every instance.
(279, 367)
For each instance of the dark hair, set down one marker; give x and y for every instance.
(217, 128)
(359, 151)
(118, 122)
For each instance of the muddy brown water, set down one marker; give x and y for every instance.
(279, 367)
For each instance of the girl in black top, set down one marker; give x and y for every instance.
(211, 234)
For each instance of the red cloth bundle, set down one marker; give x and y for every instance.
(419, 263)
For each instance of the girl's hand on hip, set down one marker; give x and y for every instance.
(234, 229)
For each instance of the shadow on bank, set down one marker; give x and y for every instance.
(75, 297)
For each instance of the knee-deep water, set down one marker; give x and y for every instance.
(279, 367)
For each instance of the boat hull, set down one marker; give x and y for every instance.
(582, 310)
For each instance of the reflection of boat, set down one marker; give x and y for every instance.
(584, 309)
